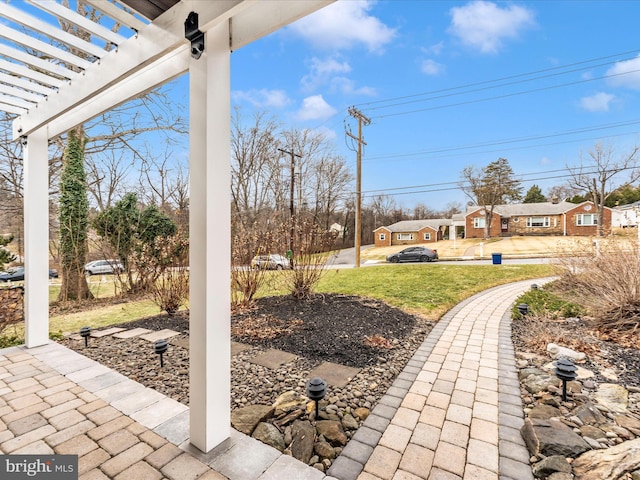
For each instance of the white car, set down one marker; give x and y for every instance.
(103, 267)
(273, 261)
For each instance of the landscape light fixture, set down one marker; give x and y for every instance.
(565, 371)
(194, 35)
(534, 286)
(160, 347)
(84, 333)
(316, 390)
(523, 308)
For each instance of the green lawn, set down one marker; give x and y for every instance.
(426, 289)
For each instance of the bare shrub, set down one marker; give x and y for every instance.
(246, 281)
(313, 249)
(604, 276)
(168, 257)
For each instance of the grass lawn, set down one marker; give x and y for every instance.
(426, 289)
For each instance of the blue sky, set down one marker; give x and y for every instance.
(450, 84)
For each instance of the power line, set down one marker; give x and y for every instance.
(510, 77)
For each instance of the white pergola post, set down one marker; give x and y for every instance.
(210, 242)
(36, 238)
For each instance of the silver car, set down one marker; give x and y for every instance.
(273, 261)
(103, 267)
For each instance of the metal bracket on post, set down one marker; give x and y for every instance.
(194, 35)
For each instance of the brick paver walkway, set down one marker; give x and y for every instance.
(453, 413)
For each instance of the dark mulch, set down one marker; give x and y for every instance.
(344, 329)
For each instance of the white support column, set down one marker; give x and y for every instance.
(36, 239)
(210, 242)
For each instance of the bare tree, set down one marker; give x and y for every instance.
(596, 176)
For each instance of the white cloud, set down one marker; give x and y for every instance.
(435, 49)
(431, 67)
(485, 26)
(343, 25)
(321, 71)
(597, 103)
(348, 87)
(626, 74)
(262, 97)
(315, 108)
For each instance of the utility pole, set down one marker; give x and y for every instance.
(355, 113)
(292, 213)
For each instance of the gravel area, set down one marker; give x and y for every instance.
(353, 331)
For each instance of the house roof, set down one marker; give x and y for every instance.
(417, 225)
(525, 209)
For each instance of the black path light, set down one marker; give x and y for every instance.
(84, 333)
(160, 347)
(523, 308)
(316, 390)
(534, 286)
(565, 371)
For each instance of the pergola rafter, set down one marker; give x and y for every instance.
(53, 81)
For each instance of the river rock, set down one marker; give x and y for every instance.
(332, 431)
(557, 351)
(246, 419)
(303, 436)
(609, 463)
(549, 465)
(324, 450)
(269, 434)
(536, 383)
(589, 414)
(544, 412)
(552, 437)
(362, 413)
(629, 423)
(288, 402)
(349, 423)
(614, 398)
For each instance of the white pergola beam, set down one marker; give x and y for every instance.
(43, 27)
(268, 16)
(83, 22)
(118, 14)
(163, 70)
(49, 50)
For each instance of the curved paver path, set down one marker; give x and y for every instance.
(455, 411)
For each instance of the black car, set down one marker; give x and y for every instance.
(414, 254)
(12, 275)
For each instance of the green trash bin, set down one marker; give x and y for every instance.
(497, 258)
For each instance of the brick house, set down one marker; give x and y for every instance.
(411, 232)
(547, 218)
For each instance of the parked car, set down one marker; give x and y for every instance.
(13, 274)
(272, 261)
(414, 254)
(103, 267)
(53, 273)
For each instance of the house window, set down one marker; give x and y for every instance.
(478, 222)
(382, 237)
(538, 221)
(586, 219)
(405, 236)
(427, 236)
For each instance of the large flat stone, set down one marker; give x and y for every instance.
(334, 374)
(180, 342)
(273, 358)
(237, 347)
(105, 332)
(133, 332)
(161, 334)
